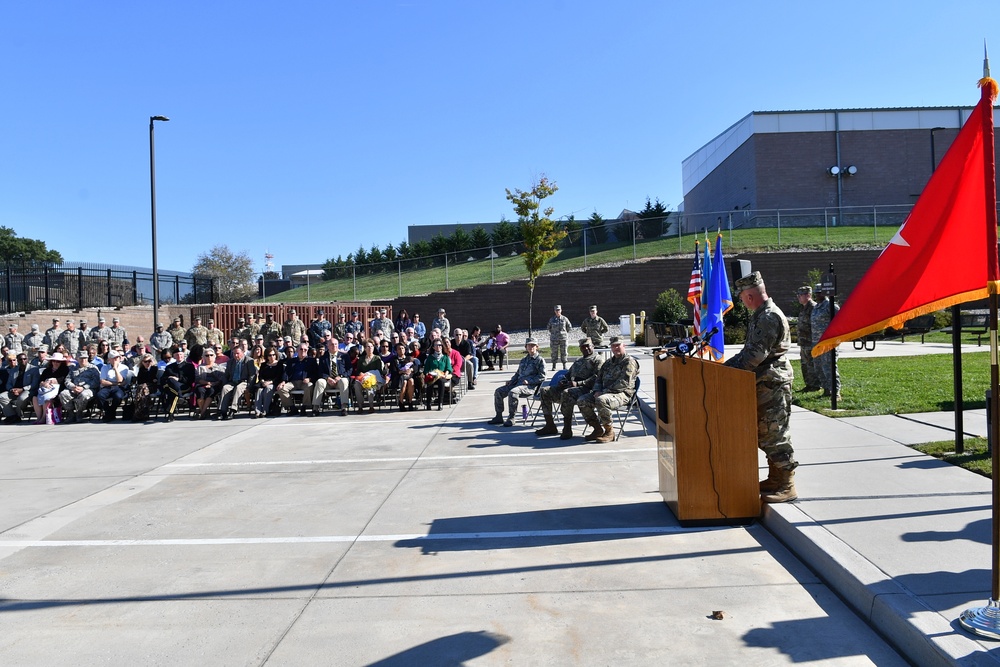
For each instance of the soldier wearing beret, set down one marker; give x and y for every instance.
(765, 354)
(574, 384)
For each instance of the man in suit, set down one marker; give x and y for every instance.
(178, 378)
(15, 389)
(241, 373)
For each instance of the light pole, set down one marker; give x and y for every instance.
(152, 206)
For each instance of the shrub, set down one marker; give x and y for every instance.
(670, 307)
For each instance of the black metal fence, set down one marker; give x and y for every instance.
(79, 285)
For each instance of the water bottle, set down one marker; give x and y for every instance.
(524, 412)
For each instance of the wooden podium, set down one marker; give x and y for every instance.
(706, 436)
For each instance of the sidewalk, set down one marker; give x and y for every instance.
(902, 537)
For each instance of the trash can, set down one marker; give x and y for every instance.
(626, 327)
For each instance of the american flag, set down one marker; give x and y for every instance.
(694, 290)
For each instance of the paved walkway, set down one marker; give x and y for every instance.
(432, 538)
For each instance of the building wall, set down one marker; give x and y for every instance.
(731, 186)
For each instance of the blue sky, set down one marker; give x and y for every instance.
(310, 128)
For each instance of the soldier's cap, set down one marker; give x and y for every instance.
(12, 325)
(100, 320)
(615, 340)
(320, 312)
(258, 315)
(160, 325)
(241, 321)
(270, 315)
(69, 322)
(558, 307)
(291, 312)
(593, 307)
(177, 319)
(83, 321)
(805, 289)
(531, 341)
(55, 320)
(746, 282)
(586, 341)
(83, 354)
(288, 339)
(440, 310)
(211, 321)
(259, 337)
(34, 327)
(354, 314)
(197, 318)
(43, 348)
(115, 319)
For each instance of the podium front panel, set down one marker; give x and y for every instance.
(706, 433)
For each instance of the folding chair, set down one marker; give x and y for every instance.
(538, 410)
(622, 414)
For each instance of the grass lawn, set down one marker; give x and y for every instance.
(895, 385)
(398, 280)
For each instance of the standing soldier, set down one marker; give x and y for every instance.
(253, 325)
(294, 327)
(340, 328)
(176, 331)
(213, 336)
(160, 340)
(559, 328)
(32, 340)
(98, 333)
(196, 335)
(84, 330)
(117, 334)
(823, 364)
(764, 354)
(594, 327)
(804, 334)
(13, 340)
(270, 330)
(386, 325)
(241, 331)
(71, 339)
(613, 388)
(354, 326)
(577, 382)
(317, 330)
(441, 322)
(52, 334)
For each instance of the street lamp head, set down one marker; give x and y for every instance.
(152, 118)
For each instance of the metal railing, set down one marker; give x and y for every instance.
(80, 285)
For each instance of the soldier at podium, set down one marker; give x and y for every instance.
(764, 353)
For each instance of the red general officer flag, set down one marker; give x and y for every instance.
(945, 253)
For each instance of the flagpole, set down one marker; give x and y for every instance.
(985, 621)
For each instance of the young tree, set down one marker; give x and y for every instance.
(480, 240)
(540, 235)
(233, 272)
(654, 218)
(503, 235)
(597, 228)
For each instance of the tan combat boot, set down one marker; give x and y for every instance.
(596, 433)
(770, 484)
(609, 433)
(549, 428)
(785, 490)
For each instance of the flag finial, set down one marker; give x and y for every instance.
(987, 83)
(986, 62)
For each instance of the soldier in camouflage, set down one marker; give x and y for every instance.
(613, 388)
(81, 382)
(51, 337)
(253, 324)
(13, 340)
(241, 331)
(176, 331)
(594, 327)
(160, 340)
(71, 339)
(530, 374)
(559, 327)
(764, 353)
(213, 336)
(575, 383)
(117, 334)
(820, 320)
(270, 329)
(804, 330)
(196, 335)
(293, 327)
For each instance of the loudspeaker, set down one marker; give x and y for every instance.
(739, 268)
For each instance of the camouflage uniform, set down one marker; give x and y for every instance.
(615, 382)
(99, 333)
(559, 327)
(253, 324)
(14, 341)
(270, 330)
(530, 374)
(339, 329)
(89, 378)
(441, 323)
(294, 328)
(804, 330)
(117, 335)
(214, 336)
(820, 320)
(31, 342)
(584, 372)
(764, 353)
(196, 335)
(51, 337)
(176, 332)
(595, 328)
(242, 331)
(387, 327)
(160, 341)
(71, 340)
